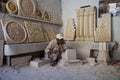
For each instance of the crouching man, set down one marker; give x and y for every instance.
(55, 49)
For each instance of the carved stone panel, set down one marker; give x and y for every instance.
(86, 23)
(34, 31)
(103, 31)
(69, 33)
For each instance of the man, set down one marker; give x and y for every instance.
(55, 48)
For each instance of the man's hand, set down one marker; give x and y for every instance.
(52, 51)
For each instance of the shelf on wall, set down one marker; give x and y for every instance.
(22, 17)
(32, 19)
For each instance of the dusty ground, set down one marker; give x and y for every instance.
(71, 72)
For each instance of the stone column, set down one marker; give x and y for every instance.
(80, 24)
(86, 24)
(92, 22)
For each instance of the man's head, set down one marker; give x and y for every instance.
(60, 39)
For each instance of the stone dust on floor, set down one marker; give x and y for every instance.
(69, 72)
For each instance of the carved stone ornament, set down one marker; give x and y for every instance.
(11, 7)
(47, 16)
(39, 14)
(15, 32)
(35, 32)
(27, 8)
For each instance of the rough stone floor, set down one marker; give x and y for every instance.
(70, 72)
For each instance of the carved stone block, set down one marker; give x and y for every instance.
(38, 63)
(70, 54)
(20, 61)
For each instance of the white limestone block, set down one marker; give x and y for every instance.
(20, 61)
(38, 63)
(70, 54)
(91, 61)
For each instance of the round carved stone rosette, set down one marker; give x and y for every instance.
(15, 32)
(27, 8)
(11, 7)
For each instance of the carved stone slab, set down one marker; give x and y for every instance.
(27, 8)
(34, 31)
(103, 32)
(70, 54)
(20, 61)
(86, 20)
(69, 32)
(1, 52)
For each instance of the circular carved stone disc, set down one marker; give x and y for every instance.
(15, 32)
(11, 7)
(27, 7)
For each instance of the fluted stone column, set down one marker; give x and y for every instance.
(80, 24)
(86, 24)
(92, 23)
